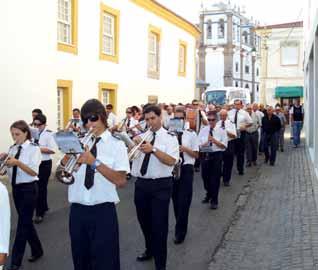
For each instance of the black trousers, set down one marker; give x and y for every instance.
(152, 198)
(94, 237)
(228, 160)
(211, 173)
(240, 151)
(24, 197)
(271, 146)
(44, 175)
(251, 146)
(181, 197)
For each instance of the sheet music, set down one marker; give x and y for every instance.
(68, 142)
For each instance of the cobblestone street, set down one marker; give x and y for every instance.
(277, 226)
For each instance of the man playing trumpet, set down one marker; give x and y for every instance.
(93, 218)
(153, 188)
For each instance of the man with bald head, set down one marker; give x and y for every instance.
(228, 154)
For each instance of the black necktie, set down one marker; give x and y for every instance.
(180, 143)
(223, 124)
(89, 175)
(211, 133)
(145, 162)
(235, 118)
(15, 168)
(128, 123)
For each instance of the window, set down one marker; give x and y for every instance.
(236, 84)
(153, 52)
(247, 69)
(245, 37)
(209, 30)
(247, 86)
(221, 29)
(257, 72)
(289, 53)
(109, 34)
(257, 88)
(182, 58)
(107, 93)
(236, 66)
(64, 102)
(60, 124)
(238, 34)
(67, 26)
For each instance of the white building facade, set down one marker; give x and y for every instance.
(311, 80)
(282, 56)
(229, 49)
(57, 54)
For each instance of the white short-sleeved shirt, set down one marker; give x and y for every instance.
(46, 140)
(256, 123)
(229, 127)
(190, 140)
(218, 133)
(111, 152)
(30, 155)
(111, 120)
(243, 118)
(4, 220)
(166, 143)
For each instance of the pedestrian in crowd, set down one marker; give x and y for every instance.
(75, 124)
(283, 121)
(228, 154)
(242, 120)
(111, 117)
(167, 116)
(214, 140)
(130, 123)
(183, 187)
(271, 126)
(34, 130)
(252, 137)
(153, 187)
(5, 225)
(35, 112)
(23, 168)
(297, 118)
(93, 219)
(48, 148)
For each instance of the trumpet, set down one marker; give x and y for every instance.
(65, 174)
(135, 152)
(3, 162)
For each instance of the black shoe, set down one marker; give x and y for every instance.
(248, 164)
(38, 219)
(226, 184)
(282, 150)
(254, 163)
(214, 206)
(272, 164)
(206, 200)
(34, 258)
(266, 161)
(144, 257)
(178, 240)
(196, 169)
(13, 267)
(241, 173)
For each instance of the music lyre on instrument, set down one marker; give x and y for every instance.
(3, 162)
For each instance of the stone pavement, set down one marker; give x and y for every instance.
(276, 225)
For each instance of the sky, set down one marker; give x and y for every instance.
(265, 11)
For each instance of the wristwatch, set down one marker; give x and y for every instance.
(154, 150)
(95, 164)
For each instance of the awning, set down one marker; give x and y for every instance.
(289, 91)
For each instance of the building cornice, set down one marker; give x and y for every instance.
(168, 15)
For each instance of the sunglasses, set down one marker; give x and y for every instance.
(128, 112)
(212, 120)
(92, 118)
(195, 104)
(37, 124)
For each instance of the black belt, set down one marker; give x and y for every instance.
(156, 179)
(25, 184)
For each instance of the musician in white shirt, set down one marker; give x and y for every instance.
(183, 187)
(213, 142)
(4, 224)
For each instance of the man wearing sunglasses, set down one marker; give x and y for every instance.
(213, 141)
(48, 148)
(93, 218)
(153, 170)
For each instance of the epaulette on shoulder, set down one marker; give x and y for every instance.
(34, 144)
(171, 133)
(115, 137)
(190, 130)
(48, 130)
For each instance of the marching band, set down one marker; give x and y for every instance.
(162, 152)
